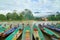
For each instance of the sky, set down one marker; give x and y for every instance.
(41, 6)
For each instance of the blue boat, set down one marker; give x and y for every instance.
(52, 27)
(50, 33)
(3, 29)
(11, 36)
(9, 32)
(58, 26)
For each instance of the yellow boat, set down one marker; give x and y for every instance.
(38, 35)
(17, 35)
(27, 35)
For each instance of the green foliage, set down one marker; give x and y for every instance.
(15, 16)
(54, 17)
(38, 18)
(9, 16)
(24, 15)
(28, 15)
(2, 17)
(21, 17)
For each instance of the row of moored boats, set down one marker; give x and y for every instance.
(26, 32)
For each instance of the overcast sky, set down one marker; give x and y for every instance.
(34, 5)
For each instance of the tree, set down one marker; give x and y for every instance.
(28, 14)
(9, 16)
(58, 15)
(21, 17)
(15, 16)
(51, 17)
(2, 17)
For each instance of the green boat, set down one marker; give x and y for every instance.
(37, 33)
(0, 26)
(27, 33)
(3, 29)
(52, 34)
(57, 25)
(11, 37)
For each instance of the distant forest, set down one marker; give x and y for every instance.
(27, 15)
(24, 15)
(53, 17)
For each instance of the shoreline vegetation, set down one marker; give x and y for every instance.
(28, 15)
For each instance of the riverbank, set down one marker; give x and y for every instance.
(30, 21)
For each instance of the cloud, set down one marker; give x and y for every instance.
(5, 11)
(33, 5)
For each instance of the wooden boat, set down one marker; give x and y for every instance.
(27, 33)
(3, 29)
(50, 33)
(52, 27)
(19, 33)
(58, 26)
(14, 36)
(37, 33)
(9, 32)
(57, 29)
